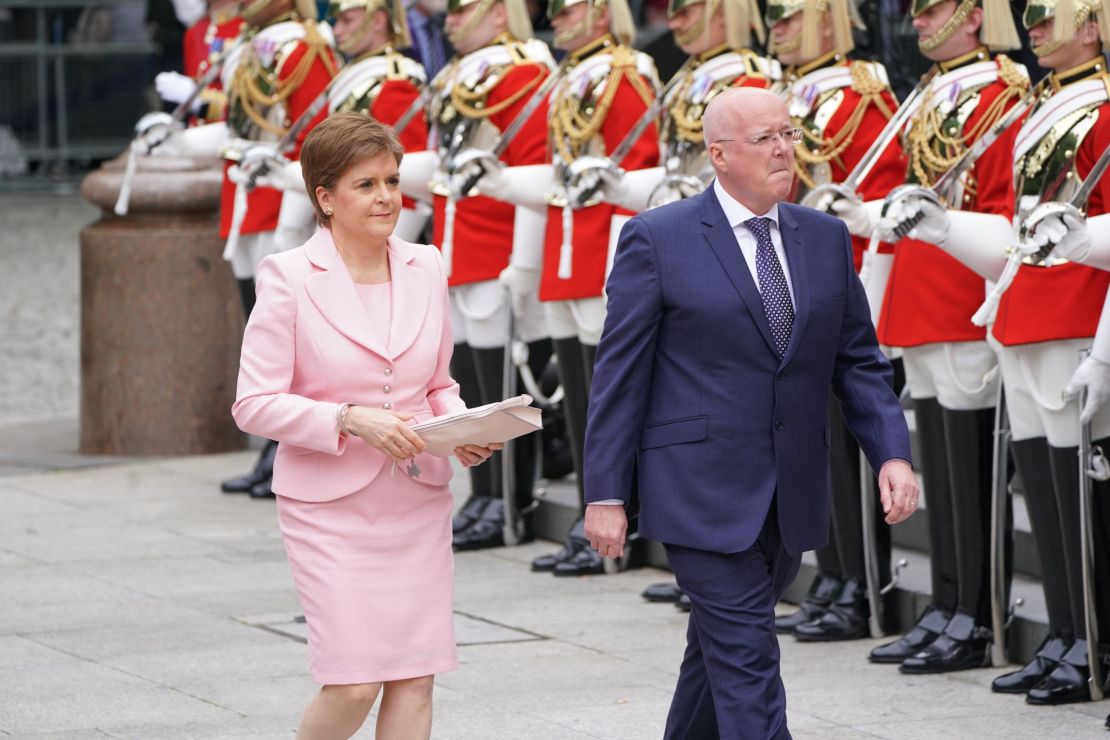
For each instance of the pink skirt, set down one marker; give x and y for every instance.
(375, 576)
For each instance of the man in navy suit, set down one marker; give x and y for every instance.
(731, 314)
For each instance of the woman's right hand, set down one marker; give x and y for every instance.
(384, 430)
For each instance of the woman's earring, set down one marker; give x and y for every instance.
(327, 211)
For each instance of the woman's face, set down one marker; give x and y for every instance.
(366, 202)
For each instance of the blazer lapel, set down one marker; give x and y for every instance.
(410, 295)
(791, 234)
(333, 291)
(722, 241)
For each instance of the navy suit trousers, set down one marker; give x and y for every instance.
(729, 685)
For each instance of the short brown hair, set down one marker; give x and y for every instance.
(338, 143)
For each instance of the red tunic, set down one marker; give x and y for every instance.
(263, 204)
(1046, 304)
(886, 174)
(591, 225)
(483, 236)
(392, 101)
(931, 296)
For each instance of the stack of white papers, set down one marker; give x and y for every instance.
(495, 422)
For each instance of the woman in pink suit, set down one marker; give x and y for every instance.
(348, 345)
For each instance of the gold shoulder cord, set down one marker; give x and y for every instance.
(573, 124)
(816, 149)
(255, 86)
(932, 151)
(472, 103)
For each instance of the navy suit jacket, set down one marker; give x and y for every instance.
(690, 397)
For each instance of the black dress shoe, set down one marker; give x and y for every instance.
(962, 645)
(470, 512)
(662, 593)
(1068, 681)
(263, 489)
(845, 619)
(1047, 657)
(683, 604)
(817, 599)
(928, 628)
(586, 562)
(263, 470)
(576, 540)
(486, 532)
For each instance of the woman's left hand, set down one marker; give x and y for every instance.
(470, 455)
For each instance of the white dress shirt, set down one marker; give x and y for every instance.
(736, 214)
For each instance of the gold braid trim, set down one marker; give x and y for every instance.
(574, 124)
(815, 149)
(932, 152)
(257, 87)
(472, 103)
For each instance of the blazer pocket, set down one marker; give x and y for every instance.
(836, 303)
(680, 431)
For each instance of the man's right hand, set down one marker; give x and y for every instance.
(606, 527)
(176, 88)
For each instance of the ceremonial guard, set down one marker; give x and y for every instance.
(841, 105)
(377, 80)
(1046, 316)
(605, 90)
(929, 300)
(205, 43)
(485, 114)
(282, 65)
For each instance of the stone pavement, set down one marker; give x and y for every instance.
(138, 602)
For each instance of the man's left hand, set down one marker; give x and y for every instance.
(606, 526)
(898, 490)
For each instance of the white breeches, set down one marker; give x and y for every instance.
(583, 318)
(960, 375)
(1035, 376)
(251, 249)
(480, 316)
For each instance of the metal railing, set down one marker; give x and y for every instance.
(73, 80)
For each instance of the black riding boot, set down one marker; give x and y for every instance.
(261, 473)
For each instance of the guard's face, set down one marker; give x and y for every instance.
(366, 202)
(571, 32)
(1058, 57)
(691, 34)
(483, 32)
(787, 35)
(348, 24)
(930, 21)
(760, 173)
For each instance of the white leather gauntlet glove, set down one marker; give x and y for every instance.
(1095, 375)
(1067, 231)
(176, 88)
(931, 221)
(859, 217)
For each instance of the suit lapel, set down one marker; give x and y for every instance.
(333, 292)
(791, 234)
(722, 241)
(409, 297)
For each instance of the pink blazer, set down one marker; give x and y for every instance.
(310, 346)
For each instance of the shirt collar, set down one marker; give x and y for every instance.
(736, 212)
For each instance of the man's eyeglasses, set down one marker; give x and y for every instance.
(788, 136)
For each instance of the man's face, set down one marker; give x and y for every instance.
(1083, 47)
(787, 35)
(931, 20)
(758, 174)
(487, 29)
(347, 26)
(571, 33)
(691, 34)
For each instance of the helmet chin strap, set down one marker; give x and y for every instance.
(690, 35)
(581, 27)
(472, 22)
(959, 15)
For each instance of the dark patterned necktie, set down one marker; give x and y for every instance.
(772, 284)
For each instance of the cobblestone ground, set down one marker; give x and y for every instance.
(40, 304)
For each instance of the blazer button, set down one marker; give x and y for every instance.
(388, 389)
(387, 405)
(388, 371)
(779, 426)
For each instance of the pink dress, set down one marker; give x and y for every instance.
(374, 570)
